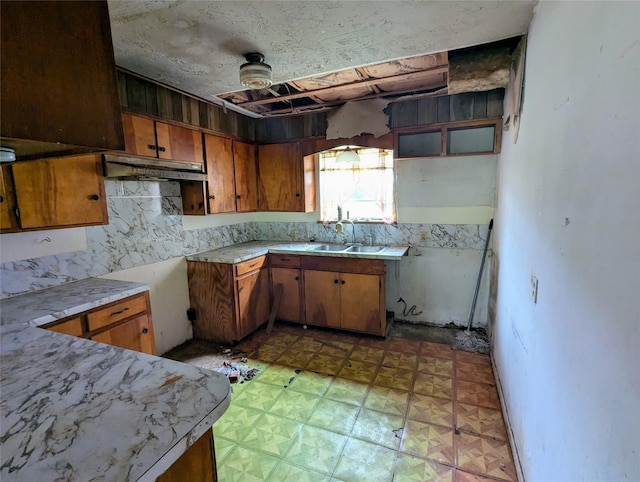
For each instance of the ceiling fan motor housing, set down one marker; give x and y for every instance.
(255, 74)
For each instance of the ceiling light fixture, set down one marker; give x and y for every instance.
(348, 156)
(255, 74)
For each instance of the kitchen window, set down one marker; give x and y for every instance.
(363, 190)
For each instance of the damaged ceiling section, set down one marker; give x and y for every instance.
(480, 68)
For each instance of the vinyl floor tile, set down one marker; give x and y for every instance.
(437, 350)
(475, 373)
(413, 469)
(295, 358)
(223, 447)
(325, 364)
(294, 405)
(260, 396)
(475, 358)
(316, 449)
(236, 422)
(438, 411)
(479, 394)
(428, 441)
(480, 421)
(366, 354)
(378, 428)
(365, 461)
(485, 456)
(433, 385)
(244, 465)
(347, 391)
(276, 375)
(396, 359)
(334, 416)
(307, 343)
(387, 400)
(462, 476)
(435, 366)
(359, 371)
(310, 382)
(404, 345)
(394, 378)
(285, 471)
(271, 434)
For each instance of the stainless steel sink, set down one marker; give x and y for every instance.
(365, 249)
(335, 248)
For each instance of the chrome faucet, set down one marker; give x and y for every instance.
(340, 227)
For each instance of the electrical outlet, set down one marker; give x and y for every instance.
(423, 236)
(534, 289)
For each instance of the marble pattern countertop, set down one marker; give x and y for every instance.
(242, 252)
(74, 409)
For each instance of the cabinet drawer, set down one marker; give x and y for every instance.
(285, 260)
(69, 327)
(116, 312)
(250, 265)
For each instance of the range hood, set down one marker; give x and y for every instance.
(145, 169)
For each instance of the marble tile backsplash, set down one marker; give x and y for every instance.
(145, 226)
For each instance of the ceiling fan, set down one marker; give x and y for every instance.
(256, 74)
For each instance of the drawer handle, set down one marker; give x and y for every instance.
(161, 149)
(212, 197)
(285, 259)
(119, 312)
(152, 147)
(252, 265)
(145, 331)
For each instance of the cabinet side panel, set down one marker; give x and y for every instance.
(211, 295)
(309, 182)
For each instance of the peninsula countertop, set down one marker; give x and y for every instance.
(74, 409)
(241, 252)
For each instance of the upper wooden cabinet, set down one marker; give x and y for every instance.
(286, 180)
(246, 176)
(220, 174)
(58, 79)
(146, 137)
(56, 193)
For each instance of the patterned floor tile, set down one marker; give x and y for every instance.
(269, 353)
(414, 469)
(475, 373)
(310, 382)
(433, 385)
(334, 416)
(394, 378)
(260, 396)
(271, 434)
(307, 343)
(325, 364)
(364, 461)
(336, 349)
(404, 345)
(223, 447)
(435, 366)
(462, 476)
(236, 422)
(366, 354)
(396, 359)
(428, 441)
(479, 394)
(243, 465)
(283, 339)
(295, 358)
(285, 471)
(378, 428)
(373, 342)
(481, 421)
(437, 350)
(347, 391)
(277, 375)
(485, 456)
(297, 406)
(387, 400)
(359, 371)
(475, 358)
(434, 410)
(316, 449)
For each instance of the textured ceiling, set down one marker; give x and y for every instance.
(198, 46)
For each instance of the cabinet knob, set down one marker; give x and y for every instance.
(161, 149)
(297, 194)
(297, 278)
(212, 197)
(335, 281)
(238, 196)
(1, 199)
(145, 331)
(94, 197)
(342, 281)
(152, 147)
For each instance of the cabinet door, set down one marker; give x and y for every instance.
(179, 144)
(64, 192)
(322, 298)
(7, 218)
(253, 301)
(360, 299)
(289, 307)
(197, 464)
(220, 175)
(244, 158)
(139, 135)
(135, 334)
(280, 178)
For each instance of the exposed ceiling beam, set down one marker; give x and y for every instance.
(441, 69)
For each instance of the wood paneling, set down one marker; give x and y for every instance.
(211, 294)
(197, 464)
(220, 174)
(139, 135)
(135, 334)
(59, 81)
(246, 176)
(52, 193)
(290, 278)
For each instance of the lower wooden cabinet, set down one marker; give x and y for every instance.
(285, 270)
(197, 464)
(125, 323)
(230, 300)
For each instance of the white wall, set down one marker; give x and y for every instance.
(169, 295)
(567, 213)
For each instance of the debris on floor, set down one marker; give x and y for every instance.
(238, 372)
